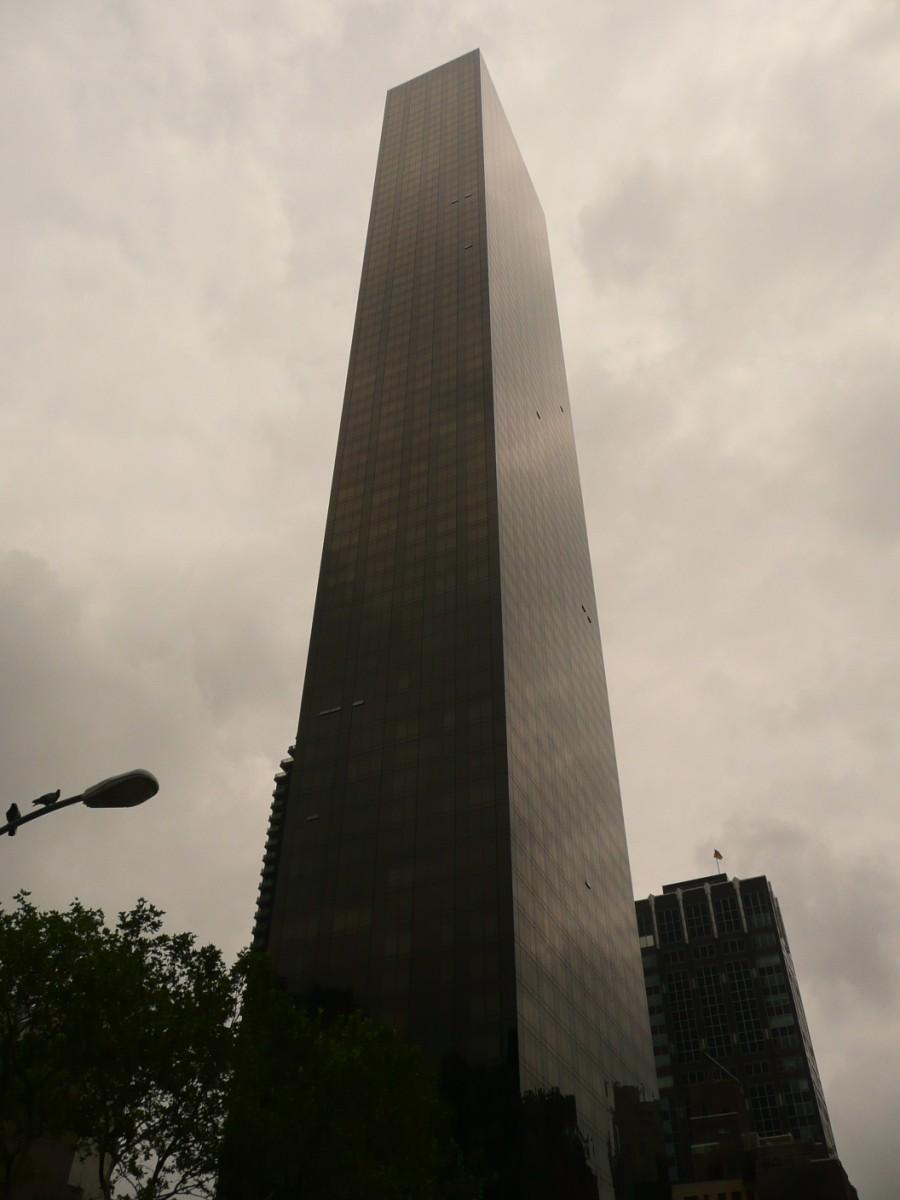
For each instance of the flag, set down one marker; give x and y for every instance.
(716, 854)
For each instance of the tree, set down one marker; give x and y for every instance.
(119, 1038)
(140, 1048)
(38, 951)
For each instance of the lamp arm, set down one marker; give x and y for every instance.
(41, 812)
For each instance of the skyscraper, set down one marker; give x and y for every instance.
(724, 1003)
(447, 845)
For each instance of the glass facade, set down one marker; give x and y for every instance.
(579, 981)
(447, 847)
(721, 986)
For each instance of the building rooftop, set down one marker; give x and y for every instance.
(721, 877)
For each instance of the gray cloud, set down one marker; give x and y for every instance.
(184, 212)
(843, 905)
(856, 436)
(840, 910)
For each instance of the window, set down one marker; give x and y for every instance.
(728, 917)
(759, 1067)
(645, 924)
(746, 1012)
(779, 1007)
(697, 919)
(764, 1109)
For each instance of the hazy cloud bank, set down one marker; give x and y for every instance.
(184, 213)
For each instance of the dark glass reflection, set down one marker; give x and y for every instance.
(582, 1020)
(448, 845)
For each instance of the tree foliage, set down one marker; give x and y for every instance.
(118, 1037)
(143, 1048)
(36, 950)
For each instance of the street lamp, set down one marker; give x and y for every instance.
(119, 791)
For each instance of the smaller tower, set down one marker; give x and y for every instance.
(724, 1006)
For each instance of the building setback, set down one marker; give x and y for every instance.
(447, 848)
(724, 1004)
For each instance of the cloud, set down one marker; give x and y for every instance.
(839, 909)
(184, 212)
(856, 435)
(183, 679)
(842, 905)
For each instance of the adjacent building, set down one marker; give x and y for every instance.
(727, 1020)
(446, 847)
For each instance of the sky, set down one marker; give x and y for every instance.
(183, 215)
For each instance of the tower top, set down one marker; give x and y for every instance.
(476, 53)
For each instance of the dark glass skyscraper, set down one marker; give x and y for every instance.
(724, 1003)
(447, 843)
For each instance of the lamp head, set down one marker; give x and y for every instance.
(121, 791)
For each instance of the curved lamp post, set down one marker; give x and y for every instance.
(119, 791)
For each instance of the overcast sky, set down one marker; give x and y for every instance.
(186, 188)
